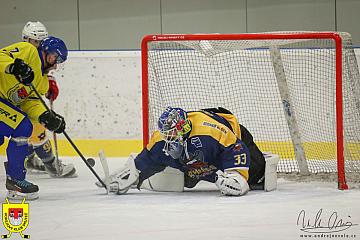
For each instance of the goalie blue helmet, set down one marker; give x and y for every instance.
(55, 45)
(173, 125)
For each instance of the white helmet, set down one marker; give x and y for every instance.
(34, 30)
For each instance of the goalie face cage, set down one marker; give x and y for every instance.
(297, 93)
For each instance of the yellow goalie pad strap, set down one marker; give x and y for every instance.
(39, 135)
(10, 116)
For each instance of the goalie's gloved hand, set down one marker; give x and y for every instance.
(23, 72)
(121, 180)
(52, 121)
(231, 183)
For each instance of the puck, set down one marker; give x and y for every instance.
(91, 162)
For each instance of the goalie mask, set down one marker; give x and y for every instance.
(173, 126)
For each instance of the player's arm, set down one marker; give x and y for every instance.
(18, 68)
(38, 113)
(151, 160)
(17, 59)
(53, 91)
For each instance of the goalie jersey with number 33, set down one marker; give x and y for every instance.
(214, 143)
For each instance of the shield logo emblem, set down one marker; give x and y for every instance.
(15, 218)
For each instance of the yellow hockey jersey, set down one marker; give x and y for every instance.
(16, 93)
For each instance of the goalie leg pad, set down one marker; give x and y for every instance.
(169, 180)
(270, 172)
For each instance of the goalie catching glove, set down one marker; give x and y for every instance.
(231, 183)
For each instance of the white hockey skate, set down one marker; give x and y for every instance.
(57, 169)
(34, 165)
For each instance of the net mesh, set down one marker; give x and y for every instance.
(239, 75)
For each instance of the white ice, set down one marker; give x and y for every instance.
(77, 209)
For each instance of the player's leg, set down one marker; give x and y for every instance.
(38, 137)
(42, 147)
(262, 170)
(169, 180)
(257, 160)
(15, 125)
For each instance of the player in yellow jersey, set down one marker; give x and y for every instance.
(40, 150)
(22, 64)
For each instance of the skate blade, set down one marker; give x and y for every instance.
(35, 172)
(14, 195)
(71, 174)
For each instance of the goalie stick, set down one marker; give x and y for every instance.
(105, 167)
(69, 139)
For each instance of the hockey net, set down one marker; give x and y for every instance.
(297, 93)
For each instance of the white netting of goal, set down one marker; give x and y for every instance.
(243, 76)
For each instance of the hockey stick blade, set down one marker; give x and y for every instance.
(105, 167)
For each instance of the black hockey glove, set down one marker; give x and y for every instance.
(52, 121)
(23, 72)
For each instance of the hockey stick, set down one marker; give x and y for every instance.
(55, 140)
(105, 167)
(54, 134)
(69, 139)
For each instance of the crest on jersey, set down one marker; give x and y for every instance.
(15, 218)
(197, 167)
(17, 94)
(238, 147)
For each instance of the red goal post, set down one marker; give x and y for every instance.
(175, 51)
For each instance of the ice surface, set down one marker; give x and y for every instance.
(77, 209)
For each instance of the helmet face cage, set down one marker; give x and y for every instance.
(173, 125)
(34, 30)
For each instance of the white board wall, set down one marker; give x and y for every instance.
(100, 94)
